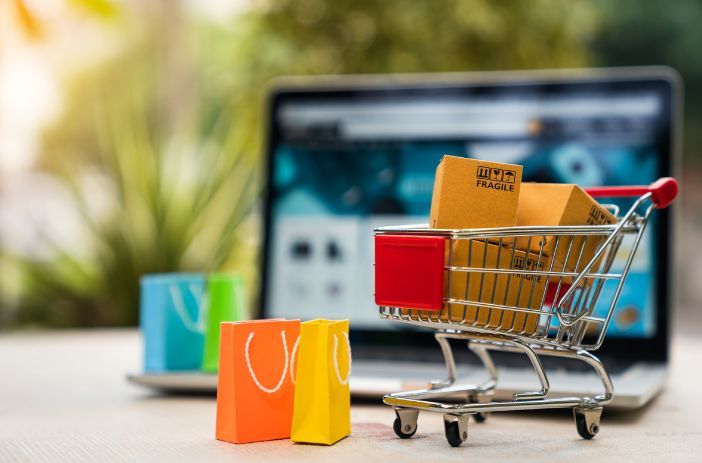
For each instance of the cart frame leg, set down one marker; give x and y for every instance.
(480, 346)
(442, 338)
(426, 399)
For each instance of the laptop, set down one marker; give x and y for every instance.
(348, 154)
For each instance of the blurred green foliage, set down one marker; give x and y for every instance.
(636, 33)
(324, 37)
(158, 180)
(172, 198)
(171, 125)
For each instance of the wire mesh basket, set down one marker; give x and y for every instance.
(547, 290)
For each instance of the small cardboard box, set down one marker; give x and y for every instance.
(524, 291)
(469, 193)
(561, 204)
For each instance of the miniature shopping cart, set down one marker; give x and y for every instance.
(476, 285)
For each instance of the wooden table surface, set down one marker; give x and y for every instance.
(63, 397)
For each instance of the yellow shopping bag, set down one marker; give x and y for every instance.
(322, 409)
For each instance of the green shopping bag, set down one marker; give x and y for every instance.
(225, 303)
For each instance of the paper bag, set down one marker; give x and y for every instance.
(171, 320)
(225, 303)
(322, 398)
(255, 387)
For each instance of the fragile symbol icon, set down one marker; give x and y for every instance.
(495, 174)
(496, 178)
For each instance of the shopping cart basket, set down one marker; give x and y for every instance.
(476, 285)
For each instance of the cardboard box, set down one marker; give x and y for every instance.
(561, 204)
(469, 193)
(525, 291)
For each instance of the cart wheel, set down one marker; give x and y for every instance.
(397, 427)
(456, 429)
(406, 429)
(587, 421)
(480, 417)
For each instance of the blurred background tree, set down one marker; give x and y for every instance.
(634, 33)
(158, 145)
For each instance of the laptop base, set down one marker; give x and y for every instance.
(634, 386)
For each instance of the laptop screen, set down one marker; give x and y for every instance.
(345, 162)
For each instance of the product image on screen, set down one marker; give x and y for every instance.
(342, 167)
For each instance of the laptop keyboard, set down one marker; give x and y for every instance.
(465, 359)
(556, 363)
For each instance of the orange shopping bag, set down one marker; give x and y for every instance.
(255, 388)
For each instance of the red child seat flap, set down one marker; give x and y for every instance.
(409, 271)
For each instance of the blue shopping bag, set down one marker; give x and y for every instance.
(172, 321)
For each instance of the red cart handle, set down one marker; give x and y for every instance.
(663, 191)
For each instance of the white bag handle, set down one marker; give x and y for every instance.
(196, 326)
(344, 381)
(253, 375)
